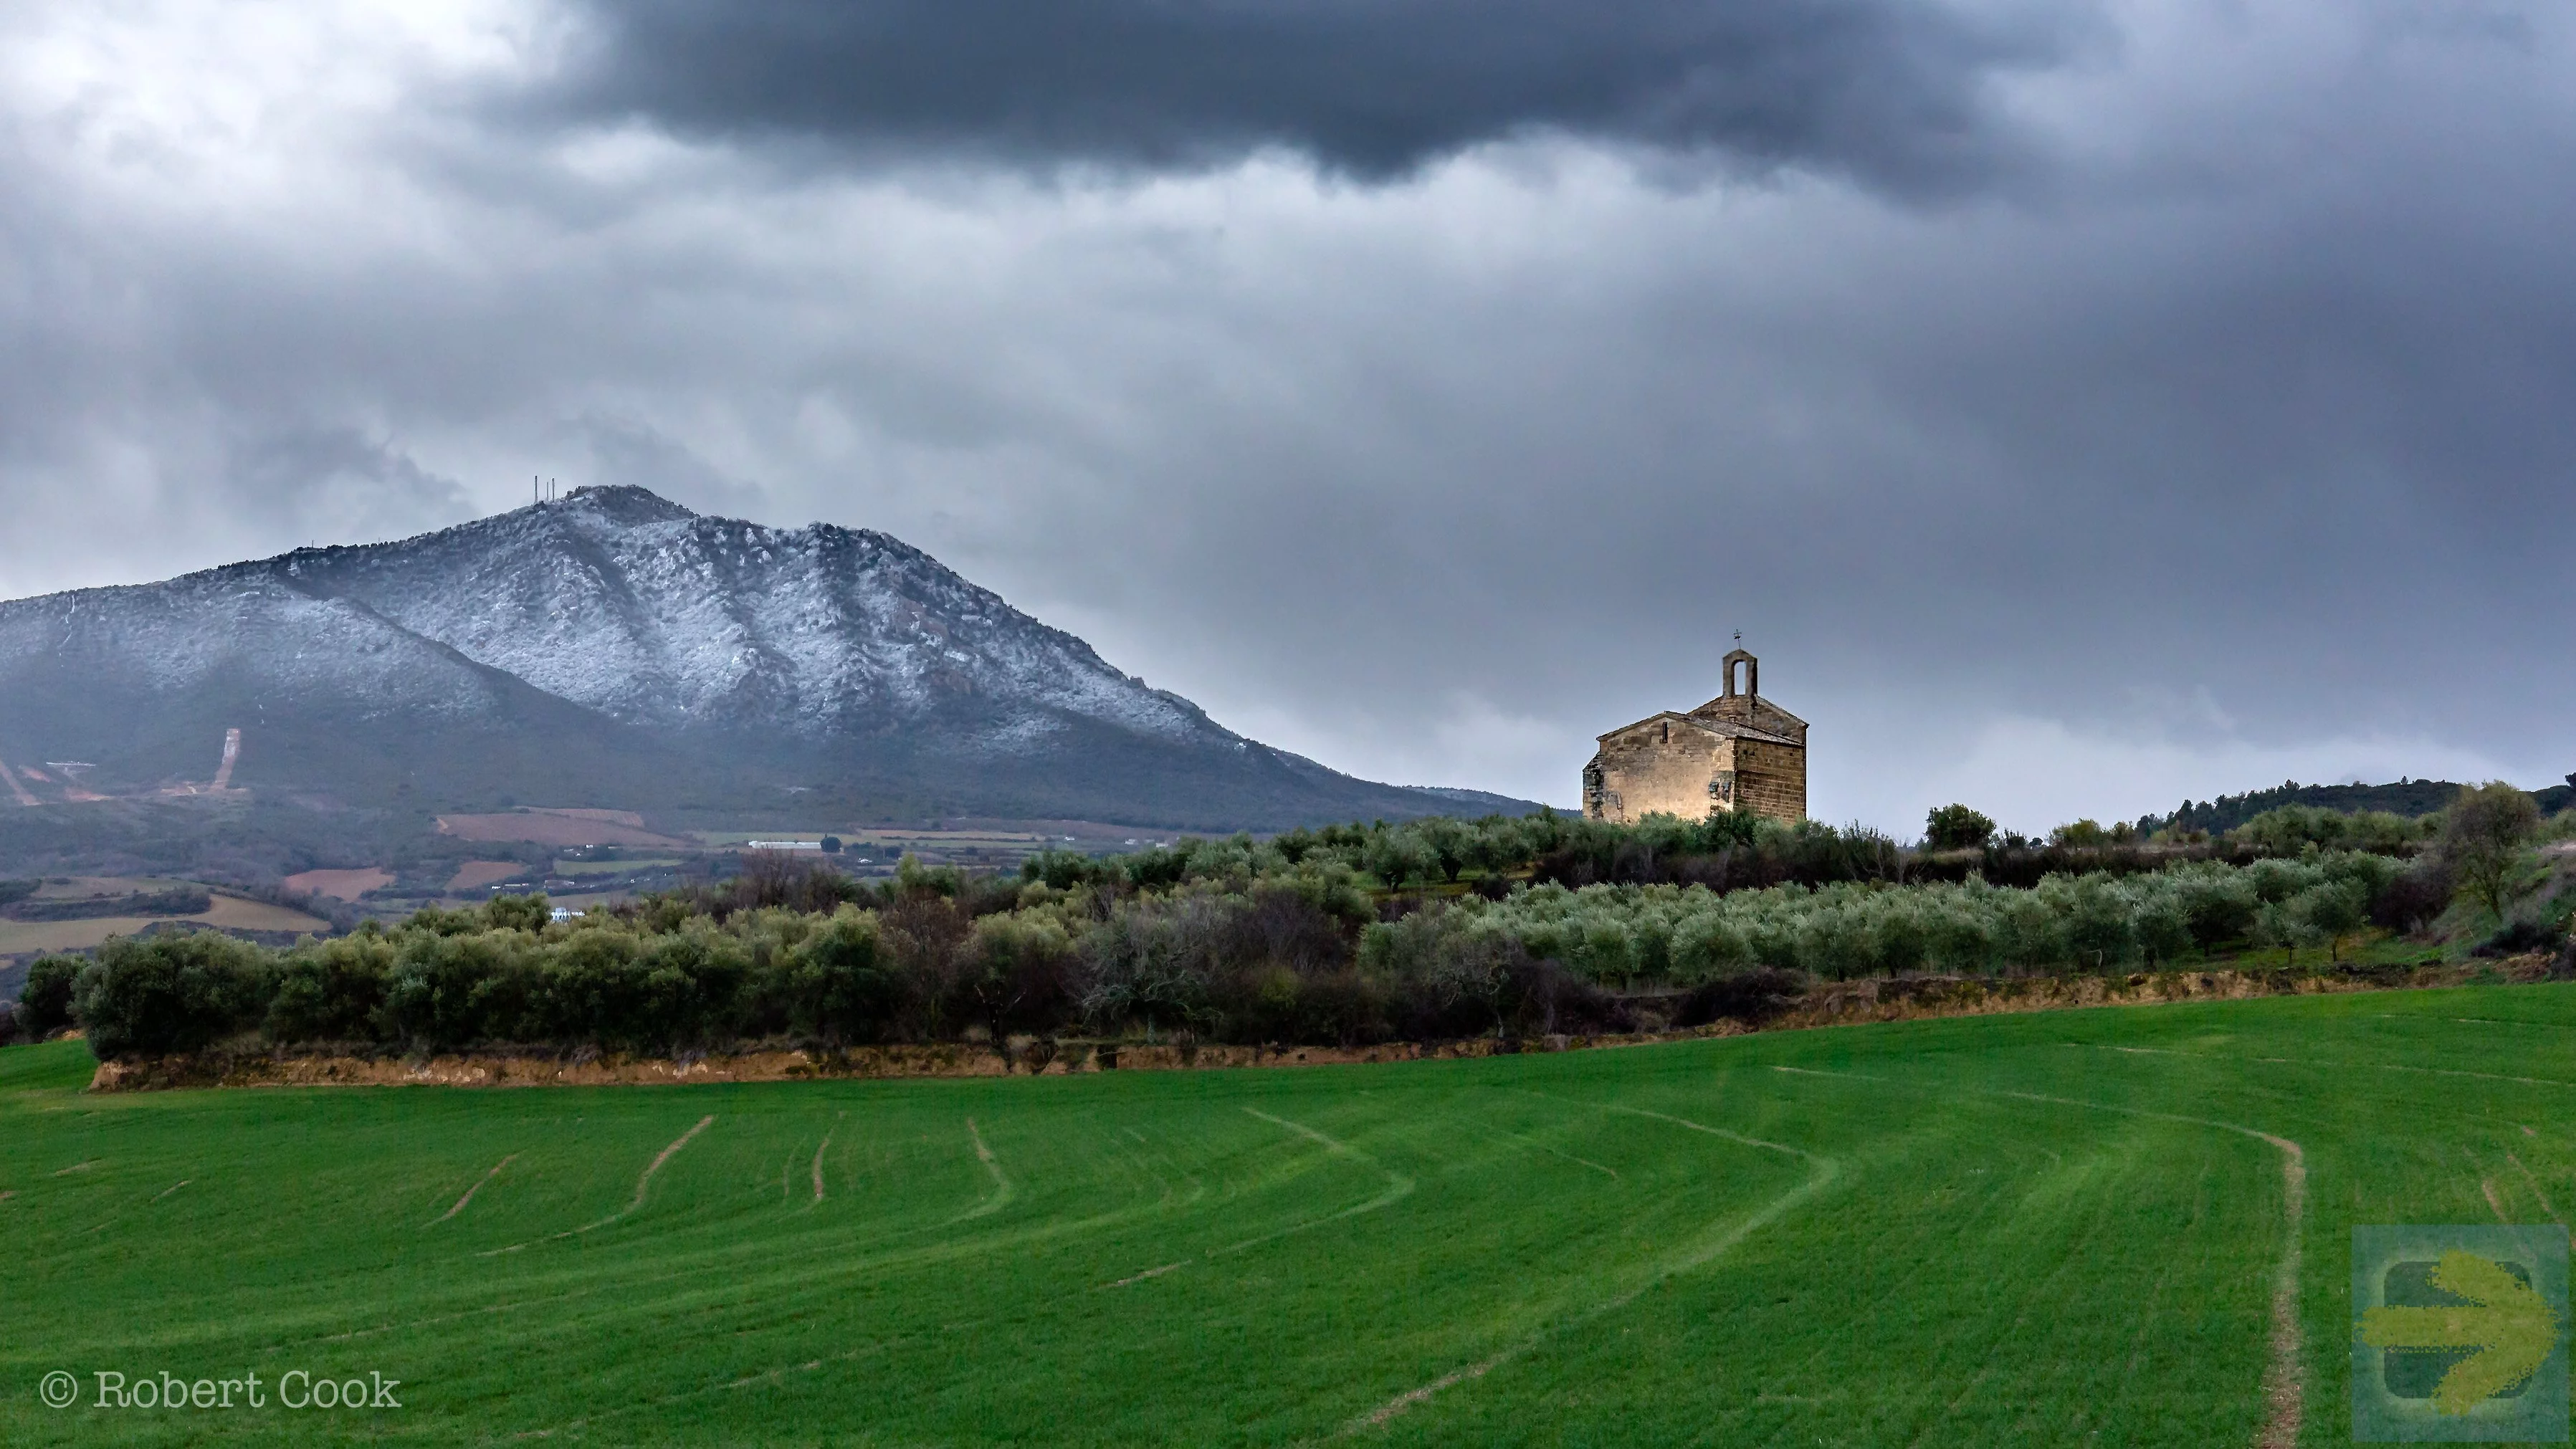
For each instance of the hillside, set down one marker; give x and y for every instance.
(613, 649)
(2410, 798)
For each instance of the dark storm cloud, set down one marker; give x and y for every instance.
(1892, 90)
(2229, 440)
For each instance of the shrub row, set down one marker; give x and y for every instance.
(185, 901)
(2098, 922)
(1723, 853)
(1301, 953)
(1273, 964)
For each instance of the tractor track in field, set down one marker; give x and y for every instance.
(1450, 1380)
(742, 1288)
(1822, 1171)
(643, 1186)
(765, 1294)
(1551, 1335)
(415, 1323)
(2284, 1377)
(2474, 1020)
(2546, 1205)
(459, 1205)
(1398, 1186)
(765, 1376)
(2138, 1051)
(1000, 1196)
(820, 1149)
(644, 1183)
(746, 1285)
(1535, 1145)
(762, 1287)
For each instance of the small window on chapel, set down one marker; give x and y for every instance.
(1668, 732)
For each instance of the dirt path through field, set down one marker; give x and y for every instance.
(16, 789)
(469, 1192)
(2284, 1376)
(818, 1165)
(2285, 1381)
(2284, 1384)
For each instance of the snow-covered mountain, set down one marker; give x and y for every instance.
(613, 648)
(636, 607)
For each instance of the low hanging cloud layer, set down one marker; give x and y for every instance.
(2077, 407)
(1885, 89)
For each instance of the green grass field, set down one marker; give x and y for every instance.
(2051, 1229)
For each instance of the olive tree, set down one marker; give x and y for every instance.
(2485, 834)
(1399, 855)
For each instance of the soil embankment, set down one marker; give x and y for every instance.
(1908, 998)
(1843, 1003)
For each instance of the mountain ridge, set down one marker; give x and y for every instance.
(621, 601)
(640, 655)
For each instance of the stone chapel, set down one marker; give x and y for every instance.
(1739, 751)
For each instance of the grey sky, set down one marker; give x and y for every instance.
(2077, 406)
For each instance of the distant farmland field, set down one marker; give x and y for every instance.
(230, 912)
(2054, 1229)
(557, 827)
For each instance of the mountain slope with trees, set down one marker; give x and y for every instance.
(2411, 798)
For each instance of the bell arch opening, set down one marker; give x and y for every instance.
(1752, 674)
